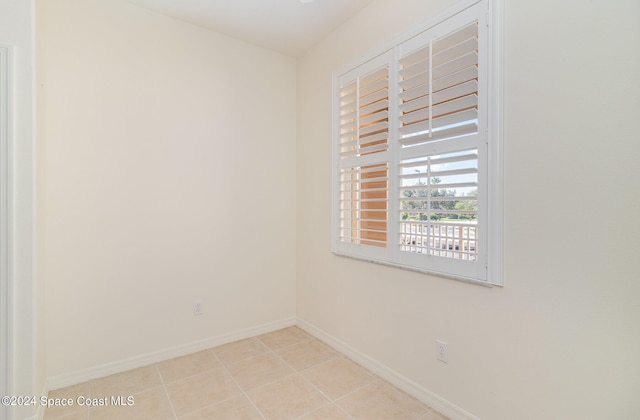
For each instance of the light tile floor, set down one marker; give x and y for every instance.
(285, 374)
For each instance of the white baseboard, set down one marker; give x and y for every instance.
(111, 368)
(430, 398)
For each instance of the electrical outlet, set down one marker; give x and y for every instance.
(197, 308)
(442, 351)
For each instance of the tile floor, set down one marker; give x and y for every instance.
(285, 374)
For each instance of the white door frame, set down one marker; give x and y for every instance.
(6, 244)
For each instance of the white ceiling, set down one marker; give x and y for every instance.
(288, 26)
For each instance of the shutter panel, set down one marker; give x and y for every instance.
(364, 145)
(439, 89)
(438, 102)
(439, 205)
(364, 193)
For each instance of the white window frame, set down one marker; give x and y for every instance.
(487, 270)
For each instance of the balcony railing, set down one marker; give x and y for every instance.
(456, 240)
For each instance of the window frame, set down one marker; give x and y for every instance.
(488, 269)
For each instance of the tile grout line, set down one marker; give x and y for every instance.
(299, 373)
(166, 392)
(209, 406)
(287, 345)
(273, 382)
(331, 403)
(339, 355)
(352, 392)
(325, 362)
(253, 357)
(424, 416)
(431, 410)
(192, 376)
(240, 360)
(238, 385)
(343, 410)
(384, 382)
(220, 368)
(268, 351)
(264, 350)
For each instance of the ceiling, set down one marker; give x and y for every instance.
(287, 26)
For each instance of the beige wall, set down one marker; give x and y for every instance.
(167, 175)
(560, 340)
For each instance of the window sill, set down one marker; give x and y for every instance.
(418, 270)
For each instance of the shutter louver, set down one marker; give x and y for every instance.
(439, 89)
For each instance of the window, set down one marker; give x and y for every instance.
(417, 150)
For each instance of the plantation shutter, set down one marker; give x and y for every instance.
(363, 115)
(412, 149)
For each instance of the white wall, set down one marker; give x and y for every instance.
(17, 30)
(167, 175)
(560, 340)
